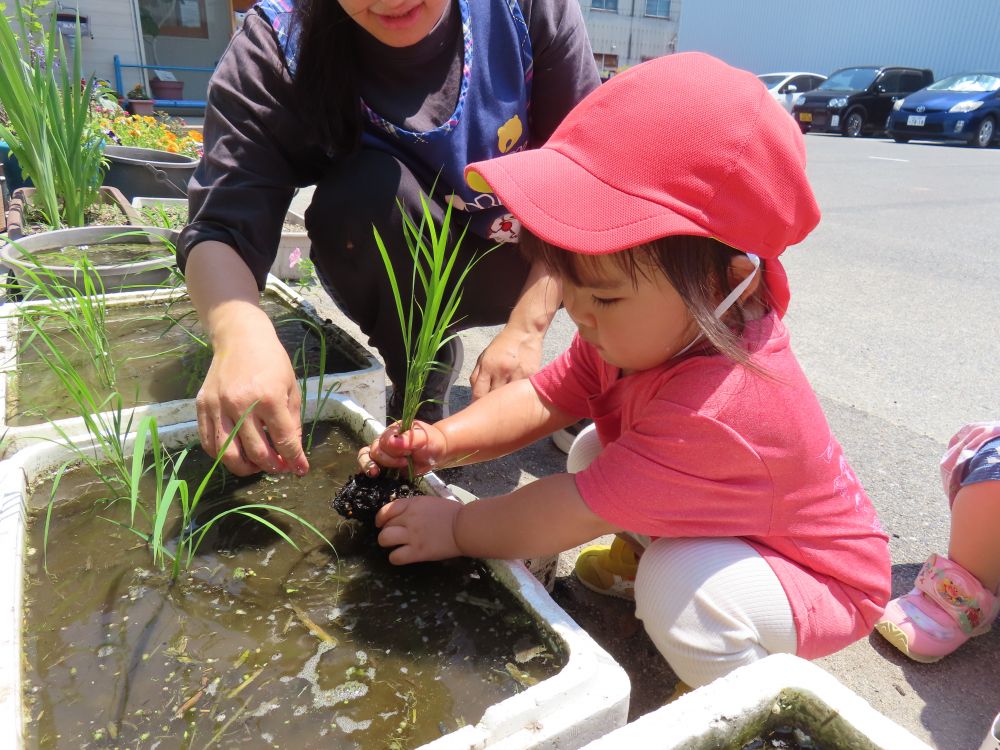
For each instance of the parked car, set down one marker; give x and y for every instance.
(853, 101)
(965, 107)
(786, 86)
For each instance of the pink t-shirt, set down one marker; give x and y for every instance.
(704, 448)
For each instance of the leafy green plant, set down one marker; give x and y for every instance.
(52, 132)
(173, 495)
(435, 295)
(302, 361)
(78, 310)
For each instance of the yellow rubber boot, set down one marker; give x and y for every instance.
(608, 569)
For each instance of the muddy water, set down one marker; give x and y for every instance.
(156, 357)
(260, 645)
(103, 254)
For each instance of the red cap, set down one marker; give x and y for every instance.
(683, 144)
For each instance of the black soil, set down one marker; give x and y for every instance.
(362, 496)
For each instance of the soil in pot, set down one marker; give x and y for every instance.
(157, 359)
(260, 645)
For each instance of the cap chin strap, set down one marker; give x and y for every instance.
(730, 299)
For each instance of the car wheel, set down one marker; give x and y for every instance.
(804, 128)
(984, 134)
(853, 124)
(901, 139)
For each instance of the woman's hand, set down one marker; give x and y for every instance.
(514, 353)
(251, 374)
(424, 444)
(420, 528)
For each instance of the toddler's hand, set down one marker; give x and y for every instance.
(424, 444)
(420, 528)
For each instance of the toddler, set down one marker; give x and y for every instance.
(664, 219)
(955, 597)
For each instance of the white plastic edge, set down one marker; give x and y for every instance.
(749, 691)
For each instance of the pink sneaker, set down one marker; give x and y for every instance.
(946, 607)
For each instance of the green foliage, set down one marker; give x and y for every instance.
(174, 495)
(51, 130)
(81, 316)
(436, 280)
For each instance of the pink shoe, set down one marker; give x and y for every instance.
(946, 607)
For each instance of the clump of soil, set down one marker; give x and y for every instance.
(362, 496)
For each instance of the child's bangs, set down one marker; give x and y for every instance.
(577, 268)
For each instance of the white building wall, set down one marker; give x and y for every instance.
(114, 26)
(780, 35)
(629, 33)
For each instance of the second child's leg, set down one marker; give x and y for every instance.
(711, 605)
(975, 532)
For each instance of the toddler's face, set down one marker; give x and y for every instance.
(397, 23)
(633, 326)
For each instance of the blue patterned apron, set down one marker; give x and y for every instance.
(490, 119)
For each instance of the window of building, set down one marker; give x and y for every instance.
(658, 8)
(610, 5)
(606, 61)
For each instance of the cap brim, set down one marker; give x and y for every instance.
(591, 218)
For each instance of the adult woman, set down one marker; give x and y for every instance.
(373, 101)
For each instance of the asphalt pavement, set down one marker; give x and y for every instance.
(895, 317)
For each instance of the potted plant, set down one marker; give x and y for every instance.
(50, 129)
(139, 103)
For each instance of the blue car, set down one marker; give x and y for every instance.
(965, 107)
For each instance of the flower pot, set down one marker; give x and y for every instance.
(291, 238)
(166, 89)
(116, 276)
(140, 106)
(417, 657)
(22, 199)
(159, 364)
(148, 172)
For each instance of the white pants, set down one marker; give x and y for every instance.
(709, 605)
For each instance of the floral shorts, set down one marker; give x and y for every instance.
(985, 465)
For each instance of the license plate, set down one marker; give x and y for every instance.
(835, 121)
(916, 120)
(805, 117)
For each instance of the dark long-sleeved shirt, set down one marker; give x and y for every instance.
(256, 150)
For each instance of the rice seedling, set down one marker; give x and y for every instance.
(437, 281)
(174, 495)
(78, 309)
(301, 362)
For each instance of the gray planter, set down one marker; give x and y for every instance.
(146, 171)
(138, 275)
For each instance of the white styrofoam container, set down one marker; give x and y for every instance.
(584, 700)
(365, 384)
(720, 714)
(281, 267)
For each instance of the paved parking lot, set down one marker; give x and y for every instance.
(895, 317)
